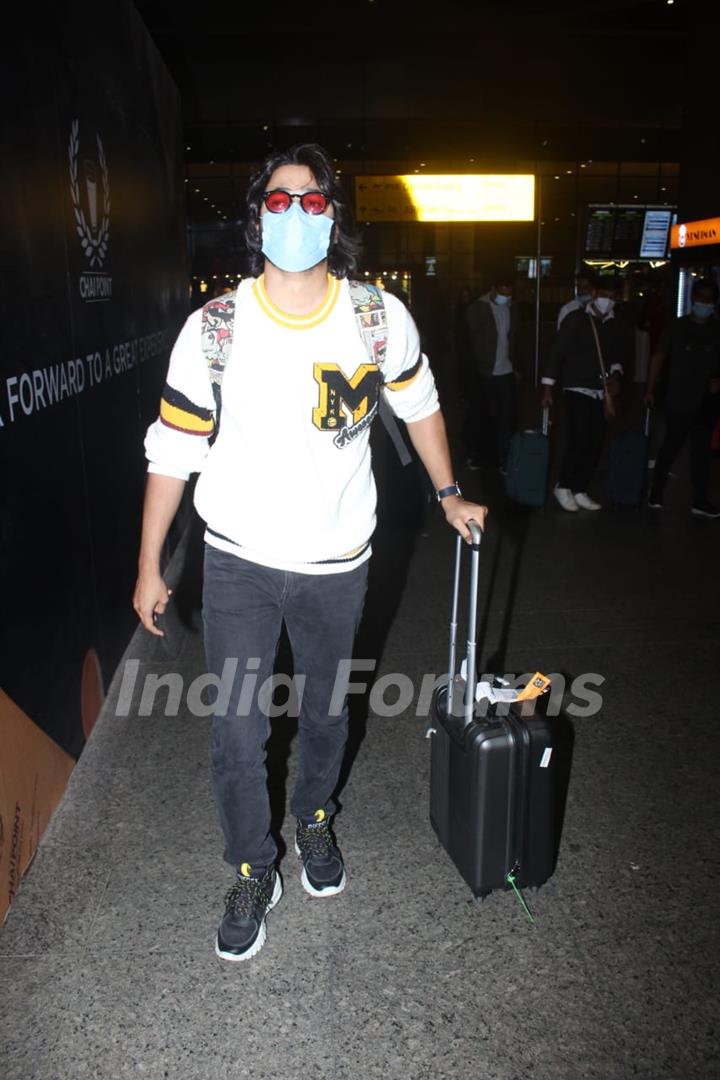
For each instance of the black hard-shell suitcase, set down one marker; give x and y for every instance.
(492, 797)
(627, 463)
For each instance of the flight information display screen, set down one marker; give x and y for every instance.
(655, 234)
(617, 231)
(614, 231)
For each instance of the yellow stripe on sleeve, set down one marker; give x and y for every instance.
(405, 379)
(182, 420)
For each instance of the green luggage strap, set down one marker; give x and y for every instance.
(511, 879)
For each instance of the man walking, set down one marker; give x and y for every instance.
(590, 350)
(288, 496)
(492, 335)
(691, 347)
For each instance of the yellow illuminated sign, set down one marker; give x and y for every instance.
(695, 233)
(420, 197)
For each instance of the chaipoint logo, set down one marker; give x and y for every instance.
(90, 193)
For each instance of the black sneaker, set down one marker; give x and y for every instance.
(242, 932)
(706, 509)
(323, 872)
(655, 501)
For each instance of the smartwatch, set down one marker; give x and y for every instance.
(451, 489)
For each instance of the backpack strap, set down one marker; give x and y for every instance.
(216, 337)
(371, 318)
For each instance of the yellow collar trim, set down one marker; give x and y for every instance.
(297, 322)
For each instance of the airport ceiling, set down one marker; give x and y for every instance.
(447, 82)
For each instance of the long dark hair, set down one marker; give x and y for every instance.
(344, 243)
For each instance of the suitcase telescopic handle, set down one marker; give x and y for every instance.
(476, 535)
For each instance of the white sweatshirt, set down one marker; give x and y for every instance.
(288, 482)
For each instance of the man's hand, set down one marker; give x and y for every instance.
(649, 399)
(546, 397)
(150, 598)
(459, 511)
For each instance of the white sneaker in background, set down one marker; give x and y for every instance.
(566, 499)
(584, 501)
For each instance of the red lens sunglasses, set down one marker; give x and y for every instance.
(279, 201)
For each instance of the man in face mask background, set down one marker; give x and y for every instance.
(287, 492)
(491, 322)
(583, 288)
(690, 348)
(574, 361)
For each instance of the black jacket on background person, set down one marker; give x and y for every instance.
(573, 359)
(693, 359)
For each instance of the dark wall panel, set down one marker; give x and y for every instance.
(94, 290)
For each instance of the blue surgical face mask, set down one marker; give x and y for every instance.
(603, 304)
(702, 311)
(296, 241)
(500, 299)
(583, 298)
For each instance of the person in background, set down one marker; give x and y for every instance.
(492, 335)
(583, 287)
(463, 343)
(466, 380)
(653, 317)
(575, 361)
(691, 348)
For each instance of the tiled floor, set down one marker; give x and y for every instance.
(108, 967)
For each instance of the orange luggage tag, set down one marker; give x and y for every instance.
(539, 684)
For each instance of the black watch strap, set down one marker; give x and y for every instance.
(452, 489)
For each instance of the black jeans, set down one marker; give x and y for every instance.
(584, 433)
(495, 417)
(244, 606)
(678, 425)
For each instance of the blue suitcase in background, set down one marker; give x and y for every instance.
(626, 472)
(527, 466)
